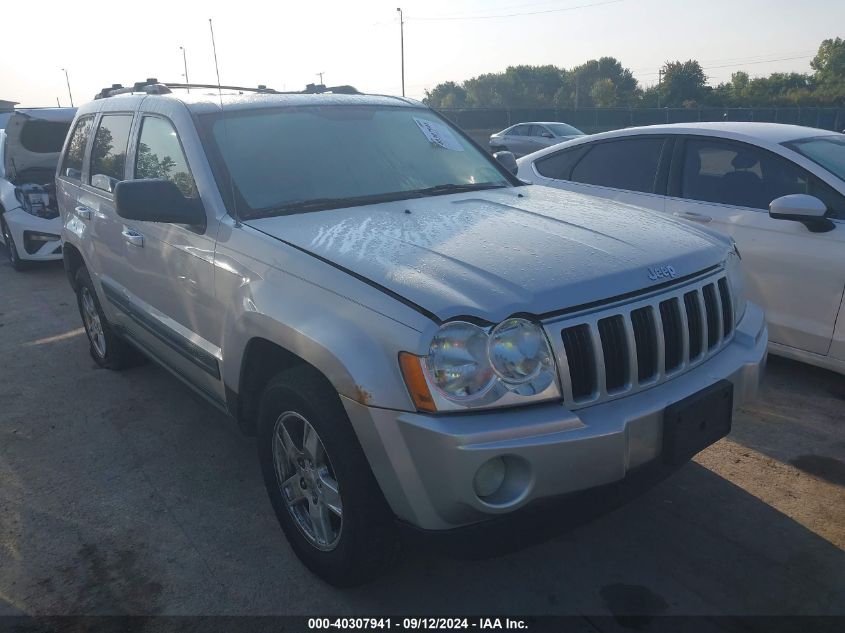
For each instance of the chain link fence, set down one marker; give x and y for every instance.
(592, 120)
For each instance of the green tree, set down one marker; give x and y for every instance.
(683, 81)
(829, 62)
(603, 93)
(446, 95)
(582, 79)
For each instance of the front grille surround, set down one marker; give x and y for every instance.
(696, 317)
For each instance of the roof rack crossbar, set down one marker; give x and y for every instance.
(154, 86)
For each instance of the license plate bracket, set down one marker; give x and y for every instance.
(694, 423)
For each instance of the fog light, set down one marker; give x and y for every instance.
(490, 477)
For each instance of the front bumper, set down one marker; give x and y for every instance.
(426, 465)
(34, 236)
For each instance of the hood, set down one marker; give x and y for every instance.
(491, 254)
(34, 141)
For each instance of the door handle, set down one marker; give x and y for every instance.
(695, 217)
(133, 237)
(83, 213)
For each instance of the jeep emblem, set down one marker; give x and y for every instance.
(660, 272)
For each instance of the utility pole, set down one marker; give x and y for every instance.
(659, 84)
(68, 87)
(402, 46)
(185, 65)
(320, 75)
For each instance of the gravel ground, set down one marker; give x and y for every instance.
(122, 493)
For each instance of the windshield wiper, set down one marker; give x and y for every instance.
(438, 190)
(322, 204)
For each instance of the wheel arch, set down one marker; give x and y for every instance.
(262, 359)
(73, 261)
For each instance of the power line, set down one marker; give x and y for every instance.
(761, 61)
(512, 15)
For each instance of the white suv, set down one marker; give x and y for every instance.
(29, 151)
(414, 335)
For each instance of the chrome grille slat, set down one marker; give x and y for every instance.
(623, 349)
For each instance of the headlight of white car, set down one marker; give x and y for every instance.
(736, 278)
(469, 366)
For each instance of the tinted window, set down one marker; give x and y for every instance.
(519, 130)
(745, 176)
(160, 155)
(44, 137)
(559, 165)
(630, 164)
(108, 155)
(75, 154)
(537, 130)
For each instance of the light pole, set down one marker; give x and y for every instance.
(185, 65)
(68, 87)
(320, 75)
(402, 46)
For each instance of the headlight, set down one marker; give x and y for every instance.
(468, 366)
(457, 362)
(35, 200)
(736, 278)
(521, 357)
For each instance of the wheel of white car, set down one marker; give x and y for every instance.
(107, 348)
(324, 494)
(11, 248)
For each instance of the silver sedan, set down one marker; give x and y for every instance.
(524, 138)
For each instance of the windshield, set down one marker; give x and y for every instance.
(827, 151)
(562, 129)
(295, 159)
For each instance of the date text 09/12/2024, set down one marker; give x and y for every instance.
(423, 623)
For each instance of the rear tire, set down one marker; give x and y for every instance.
(107, 348)
(11, 248)
(325, 496)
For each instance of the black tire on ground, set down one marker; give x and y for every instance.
(114, 353)
(11, 248)
(367, 540)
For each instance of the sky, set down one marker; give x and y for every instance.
(285, 44)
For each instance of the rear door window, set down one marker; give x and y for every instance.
(108, 154)
(75, 153)
(160, 155)
(628, 164)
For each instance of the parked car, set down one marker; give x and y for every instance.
(30, 144)
(411, 332)
(778, 190)
(525, 138)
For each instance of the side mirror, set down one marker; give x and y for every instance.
(800, 207)
(157, 201)
(548, 135)
(508, 161)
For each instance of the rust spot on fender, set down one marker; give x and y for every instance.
(362, 395)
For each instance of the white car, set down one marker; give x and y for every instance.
(30, 145)
(778, 190)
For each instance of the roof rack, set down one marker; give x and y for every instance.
(154, 86)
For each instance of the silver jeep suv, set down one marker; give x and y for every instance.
(414, 335)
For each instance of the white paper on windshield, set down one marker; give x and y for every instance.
(439, 134)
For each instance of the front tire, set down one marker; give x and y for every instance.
(325, 496)
(107, 348)
(11, 248)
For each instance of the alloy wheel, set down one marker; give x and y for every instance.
(93, 324)
(307, 480)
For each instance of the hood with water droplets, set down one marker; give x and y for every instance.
(491, 254)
